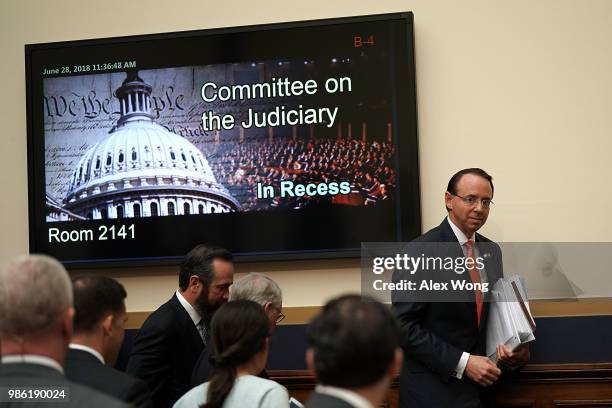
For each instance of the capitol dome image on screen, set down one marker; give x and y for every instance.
(141, 169)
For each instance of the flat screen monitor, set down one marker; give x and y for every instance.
(281, 141)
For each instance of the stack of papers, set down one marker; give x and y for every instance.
(293, 403)
(510, 321)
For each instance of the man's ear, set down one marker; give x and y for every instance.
(68, 323)
(107, 324)
(194, 283)
(310, 363)
(395, 367)
(267, 306)
(448, 201)
(267, 344)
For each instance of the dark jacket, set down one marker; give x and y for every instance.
(39, 377)
(317, 400)
(165, 351)
(84, 368)
(435, 334)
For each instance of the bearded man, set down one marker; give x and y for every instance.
(171, 339)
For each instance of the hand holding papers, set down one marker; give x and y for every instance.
(510, 322)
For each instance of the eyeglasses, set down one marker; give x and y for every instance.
(473, 201)
(280, 317)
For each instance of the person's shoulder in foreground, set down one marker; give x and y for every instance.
(35, 330)
(99, 328)
(248, 391)
(41, 377)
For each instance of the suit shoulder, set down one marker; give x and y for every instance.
(81, 396)
(433, 235)
(103, 378)
(482, 238)
(325, 401)
(134, 390)
(123, 380)
(162, 317)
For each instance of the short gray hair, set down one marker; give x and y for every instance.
(35, 291)
(257, 287)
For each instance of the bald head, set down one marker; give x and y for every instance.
(35, 295)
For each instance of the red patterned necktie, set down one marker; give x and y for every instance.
(475, 278)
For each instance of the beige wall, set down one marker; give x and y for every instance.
(520, 88)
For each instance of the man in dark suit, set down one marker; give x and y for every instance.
(444, 342)
(99, 328)
(35, 329)
(353, 347)
(171, 339)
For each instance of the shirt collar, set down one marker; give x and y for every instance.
(193, 314)
(354, 399)
(89, 350)
(461, 237)
(32, 359)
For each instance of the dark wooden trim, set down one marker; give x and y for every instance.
(516, 403)
(566, 372)
(535, 386)
(532, 372)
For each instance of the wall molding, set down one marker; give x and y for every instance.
(539, 308)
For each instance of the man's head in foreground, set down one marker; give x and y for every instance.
(354, 344)
(35, 308)
(100, 315)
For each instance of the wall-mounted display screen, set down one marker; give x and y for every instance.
(283, 141)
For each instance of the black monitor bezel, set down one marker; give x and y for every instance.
(408, 216)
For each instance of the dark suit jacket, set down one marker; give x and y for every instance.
(202, 369)
(435, 334)
(41, 377)
(84, 368)
(317, 400)
(165, 351)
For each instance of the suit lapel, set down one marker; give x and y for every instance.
(187, 324)
(447, 232)
(487, 254)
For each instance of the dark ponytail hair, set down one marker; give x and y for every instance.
(239, 331)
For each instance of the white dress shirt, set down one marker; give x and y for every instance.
(32, 359)
(462, 238)
(195, 316)
(89, 350)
